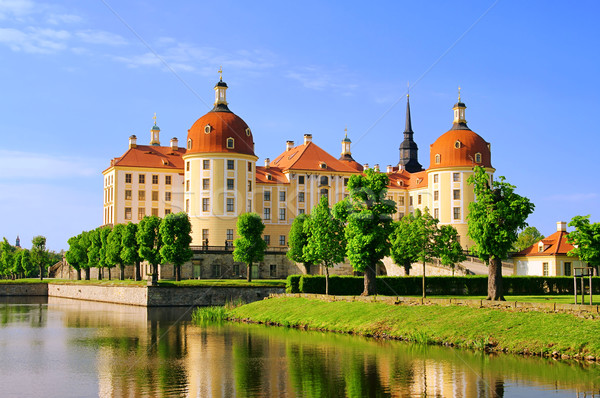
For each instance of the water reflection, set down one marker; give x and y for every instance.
(110, 350)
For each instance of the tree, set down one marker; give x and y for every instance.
(114, 247)
(326, 242)
(403, 248)
(131, 249)
(493, 221)
(7, 258)
(85, 244)
(93, 251)
(297, 241)
(175, 231)
(527, 237)
(149, 241)
(102, 259)
(250, 246)
(425, 230)
(369, 224)
(449, 249)
(586, 240)
(77, 254)
(26, 264)
(39, 254)
(17, 268)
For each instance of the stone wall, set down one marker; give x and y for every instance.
(132, 295)
(23, 289)
(206, 295)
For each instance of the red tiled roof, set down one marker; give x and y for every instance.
(162, 157)
(223, 125)
(310, 156)
(277, 176)
(404, 179)
(556, 245)
(451, 156)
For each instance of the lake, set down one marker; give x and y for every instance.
(56, 347)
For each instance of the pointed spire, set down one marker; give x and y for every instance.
(408, 148)
(459, 123)
(408, 128)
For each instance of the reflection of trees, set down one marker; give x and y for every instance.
(362, 377)
(32, 314)
(248, 356)
(310, 371)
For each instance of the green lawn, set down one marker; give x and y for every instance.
(559, 299)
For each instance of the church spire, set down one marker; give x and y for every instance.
(408, 148)
(408, 128)
(220, 94)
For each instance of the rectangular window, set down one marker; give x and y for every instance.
(205, 204)
(249, 166)
(230, 234)
(545, 268)
(142, 178)
(267, 196)
(128, 194)
(229, 204)
(187, 205)
(141, 213)
(206, 164)
(236, 270)
(141, 195)
(205, 236)
(249, 186)
(230, 184)
(455, 177)
(216, 270)
(128, 213)
(456, 194)
(281, 240)
(167, 180)
(301, 197)
(436, 195)
(167, 196)
(346, 181)
(187, 185)
(155, 196)
(282, 196)
(205, 184)
(419, 199)
(300, 211)
(301, 180)
(456, 211)
(436, 213)
(436, 178)
(128, 178)
(267, 239)
(167, 211)
(282, 214)
(249, 205)
(410, 200)
(567, 269)
(155, 212)
(187, 166)
(230, 164)
(273, 271)
(267, 213)
(154, 179)
(401, 200)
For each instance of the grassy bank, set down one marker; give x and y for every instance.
(478, 328)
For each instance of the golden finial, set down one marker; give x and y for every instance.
(407, 89)
(458, 93)
(154, 117)
(221, 73)
(346, 131)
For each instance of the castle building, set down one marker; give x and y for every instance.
(215, 178)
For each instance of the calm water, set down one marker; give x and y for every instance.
(69, 348)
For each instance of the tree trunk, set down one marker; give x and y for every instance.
(154, 279)
(78, 274)
(138, 274)
(407, 268)
(370, 281)
(122, 276)
(174, 272)
(99, 273)
(87, 274)
(178, 273)
(249, 273)
(495, 291)
(326, 280)
(41, 273)
(424, 291)
(108, 273)
(307, 267)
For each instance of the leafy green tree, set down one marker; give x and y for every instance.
(7, 257)
(76, 255)
(175, 230)
(39, 254)
(17, 269)
(586, 239)
(250, 246)
(26, 264)
(326, 243)
(494, 219)
(403, 248)
(85, 243)
(425, 231)
(369, 224)
(449, 249)
(114, 247)
(93, 251)
(131, 249)
(297, 241)
(150, 242)
(103, 260)
(527, 237)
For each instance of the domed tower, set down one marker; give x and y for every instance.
(409, 160)
(219, 172)
(452, 158)
(346, 155)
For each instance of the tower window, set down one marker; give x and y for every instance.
(456, 177)
(436, 178)
(457, 144)
(229, 204)
(230, 164)
(189, 145)
(206, 164)
(207, 129)
(438, 158)
(456, 194)
(477, 157)
(248, 132)
(230, 184)
(205, 204)
(187, 166)
(456, 211)
(436, 195)
(230, 143)
(205, 184)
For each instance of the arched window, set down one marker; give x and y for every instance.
(477, 157)
(207, 129)
(438, 158)
(189, 144)
(324, 192)
(230, 143)
(324, 181)
(248, 132)
(457, 144)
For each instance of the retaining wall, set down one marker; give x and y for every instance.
(131, 295)
(23, 289)
(206, 295)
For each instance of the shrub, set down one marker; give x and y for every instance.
(292, 284)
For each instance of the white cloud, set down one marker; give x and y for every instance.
(316, 78)
(100, 37)
(16, 8)
(29, 165)
(34, 40)
(59, 19)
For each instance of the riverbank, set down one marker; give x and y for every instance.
(496, 330)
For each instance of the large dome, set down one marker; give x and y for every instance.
(213, 133)
(460, 147)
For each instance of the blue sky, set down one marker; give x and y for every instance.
(79, 77)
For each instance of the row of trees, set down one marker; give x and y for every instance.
(154, 240)
(16, 262)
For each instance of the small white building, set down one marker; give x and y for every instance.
(548, 257)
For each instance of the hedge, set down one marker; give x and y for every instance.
(475, 285)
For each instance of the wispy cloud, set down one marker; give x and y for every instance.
(30, 165)
(100, 37)
(317, 78)
(16, 8)
(574, 197)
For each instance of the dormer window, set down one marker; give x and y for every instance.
(540, 247)
(207, 129)
(269, 177)
(189, 146)
(323, 165)
(248, 132)
(438, 158)
(457, 144)
(230, 143)
(477, 157)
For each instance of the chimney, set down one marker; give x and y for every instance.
(366, 166)
(132, 141)
(376, 167)
(289, 145)
(390, 168)
(174, 143)
(267, 161)
(307, 138)
(561, 226)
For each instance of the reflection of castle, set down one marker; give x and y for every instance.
(215, 177)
